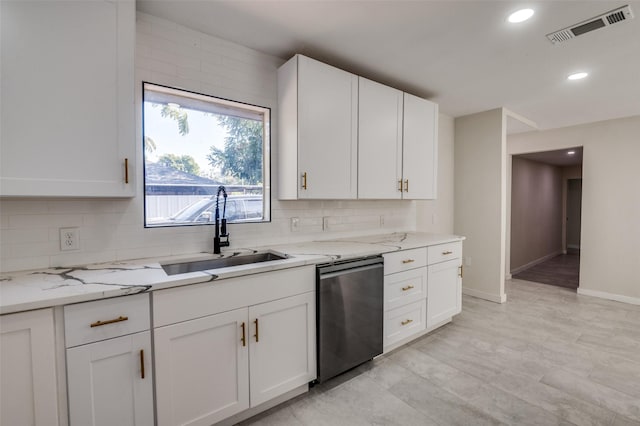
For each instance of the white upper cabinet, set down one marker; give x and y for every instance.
(419, 149)
(317, 126)
(397, 144)
(379, 141)
(67, 119)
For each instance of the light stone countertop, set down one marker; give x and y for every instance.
(27, 290)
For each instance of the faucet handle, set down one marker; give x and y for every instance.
(223, 228)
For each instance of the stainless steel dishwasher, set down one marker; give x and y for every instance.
(349, 314)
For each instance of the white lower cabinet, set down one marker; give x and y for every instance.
(109, 362)
(202, 369)
(282, 352)
(28, 390)
(109, 382)
(444, 295)
(444, 291)
(405, 290)
(215, 366)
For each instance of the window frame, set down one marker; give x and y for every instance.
(266, 152)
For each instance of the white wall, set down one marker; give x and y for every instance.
(110, 230)
(437, 215)
(610, 251)
(480, 201)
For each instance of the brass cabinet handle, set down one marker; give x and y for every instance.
(304, 180)
(405, 322)
(406, 185)
(256, 335)
(126, 170)
(244, 338)
(444, 253)
(408, 261)
(111, 321)
(142, 363)
(461, 272)
(400, 185)
(409, 287)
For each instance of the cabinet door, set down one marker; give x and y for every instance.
(67, 87)
(379, 140)
(110, 382)
(202, 369)
(327, 131)
(28, 394)
(420, 148)
(283, 346)
(444, 291)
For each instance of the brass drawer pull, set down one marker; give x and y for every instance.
(406, 185)
(461, 273)
(244, 338)
(408, 261)
(405, 322)
(126, 170)
(142, 363)
(111, 321)
(444, 253)
(256, 335)
(409, 287)
(400, 185)
(304, 180)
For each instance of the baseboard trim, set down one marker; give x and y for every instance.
(610, 296)
(508, 277)
(535, 262)
(497, 298)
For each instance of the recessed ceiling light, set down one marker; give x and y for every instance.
(577, 76)
(520, 15)
(571, 152)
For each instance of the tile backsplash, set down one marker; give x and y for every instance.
(113, 229)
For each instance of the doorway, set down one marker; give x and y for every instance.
(546, 199)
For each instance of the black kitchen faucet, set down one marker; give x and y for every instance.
(221, 229)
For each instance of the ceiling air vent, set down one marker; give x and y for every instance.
(612, 17)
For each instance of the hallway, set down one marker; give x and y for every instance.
(562, 271)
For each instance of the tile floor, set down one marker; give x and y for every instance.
(546, 357)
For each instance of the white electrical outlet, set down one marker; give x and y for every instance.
(69, 239)
(295, 224)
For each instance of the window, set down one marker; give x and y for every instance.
(195, 143)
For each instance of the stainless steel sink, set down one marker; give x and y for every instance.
(223, 262)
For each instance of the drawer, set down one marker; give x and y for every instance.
(404, 260)
(444, 252)
(104, 319)
(404, 287)
(404, 322)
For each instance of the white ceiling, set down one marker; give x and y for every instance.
(461, 54)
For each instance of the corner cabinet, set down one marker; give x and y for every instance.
(67, 82)
(317, 126)
(224, 347)
(28, 392)
(444, 290)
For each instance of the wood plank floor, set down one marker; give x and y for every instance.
(546, 357)
(562, 270)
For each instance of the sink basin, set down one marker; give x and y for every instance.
(223, 262)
